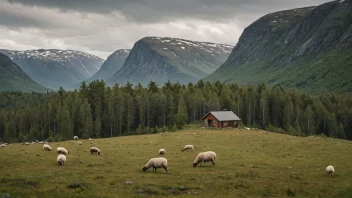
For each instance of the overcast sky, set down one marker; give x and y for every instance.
(102, 26)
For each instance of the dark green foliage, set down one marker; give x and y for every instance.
(100, 111)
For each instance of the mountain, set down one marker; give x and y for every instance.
(307, 48)
(55, 68)
(111, 65)
(12, 78)
(162, 59)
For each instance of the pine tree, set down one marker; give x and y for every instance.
(85, 120)
(341, 132)
(181, 116)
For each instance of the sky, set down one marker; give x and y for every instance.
(101, 27)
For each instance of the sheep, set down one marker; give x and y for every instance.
(2, 145)
(90, 139)
(61, 159)
(46, 147)
(156, 163)
(162, 151)
(62, 150)
(94, 150)
(41, 142)
(205, 157)
(75, 138)
(80, 143)
(188, 147)
(27, 143)
(247, 128)
(330, 170)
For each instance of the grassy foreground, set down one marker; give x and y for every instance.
(249, 164)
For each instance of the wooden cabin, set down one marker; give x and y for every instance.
(221, 119)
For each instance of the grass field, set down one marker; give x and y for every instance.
(248, 164)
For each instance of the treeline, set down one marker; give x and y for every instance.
(96, 110)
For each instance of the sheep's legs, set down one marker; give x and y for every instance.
(165, 168)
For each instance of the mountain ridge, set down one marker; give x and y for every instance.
(161, 59)
(12, 78)
(55, 67)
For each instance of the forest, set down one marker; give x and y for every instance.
(99, 111)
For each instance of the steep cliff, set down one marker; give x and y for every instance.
(307, 48)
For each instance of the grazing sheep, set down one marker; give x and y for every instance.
(62, 150)
(6, 144)
(204, 157)
(2, 145)
(41, 142)
(330, 170)
(90, 139)
(156, 163)
(80, 143)
(33, 142)
(46, 147)
(247, 128)
(162, 151)
(61, 159)
(27, 143)
(188, 147)
(94, 150)
(75, 138)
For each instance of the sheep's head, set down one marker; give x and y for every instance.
(195, 164)
(144, 168)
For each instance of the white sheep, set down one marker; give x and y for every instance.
(61, 159)
(90, 139)
(94, 150)
(2, 145)
(156, 163)
(41, 142)
(27, 143)
(247, 128)
(188, 147)
(330, 170)
(80, 143)
(62, 150)
(162, 151)
(46, 147)
(204, 157)
(75, 138)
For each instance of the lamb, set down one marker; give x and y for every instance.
(162, 151)
(330, 170)
(94, 150)
(156, 163)
(75, 138)
(208, 156)
(188, 147)
(62, 150)
(61, 159)
(46, 147)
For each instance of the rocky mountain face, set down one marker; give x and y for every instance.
(112, 64)
(12, 78)
(54, 68)
(162, 59)
(307, 48)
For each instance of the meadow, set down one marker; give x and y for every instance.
(248, 164)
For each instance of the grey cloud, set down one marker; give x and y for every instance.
(149, 11)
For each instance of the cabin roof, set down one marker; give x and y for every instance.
(223, 115)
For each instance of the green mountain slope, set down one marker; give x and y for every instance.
(162, 59)
(12, 78)
(307, 48)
